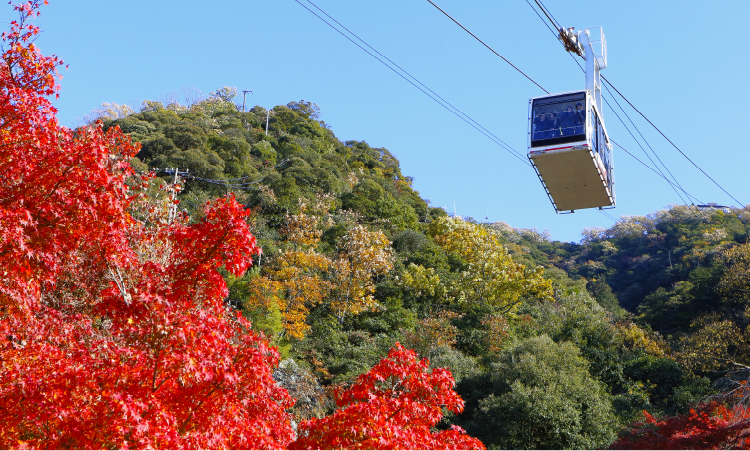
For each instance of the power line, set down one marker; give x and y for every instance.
(504, 144)
(645, 141)
(658, 170)
(608, 215)
(219, 182)
(445, 105)
(670, 142)
(548, 14)
(649, 167)
(540, 17)
(491, 49)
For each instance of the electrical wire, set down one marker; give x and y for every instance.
(445, 105)
(221, 182)
(672, 143)
(542, 19)
(605, 213)
(645, 141)
(504, 144)
(548, 14)
(490, 48)
(672, 185)
(649, 167)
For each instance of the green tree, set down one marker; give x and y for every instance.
(539, 395)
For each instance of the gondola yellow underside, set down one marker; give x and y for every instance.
(575, 178)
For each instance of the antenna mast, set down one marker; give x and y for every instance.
(244, 94)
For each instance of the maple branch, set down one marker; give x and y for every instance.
(181, 429)
(119, 281)
(738, 364)
(394, 413)
(156, 367)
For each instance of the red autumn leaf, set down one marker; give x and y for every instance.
(393, 406)
(709, 426)
(113, 332)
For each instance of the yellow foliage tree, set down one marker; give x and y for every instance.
(717, 344)
(297, 275)
(421, 281)
(491, 278)
(634, 338)
(364, 254)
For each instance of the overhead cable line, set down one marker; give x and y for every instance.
(504, 144)
(220, 182)
(645, 141)
(228, 185)
(434, 97)
(490, 48)
(673, 144)
(649, 167)
(658, 170)
(542, 19)
(549, 15)
(604, 212)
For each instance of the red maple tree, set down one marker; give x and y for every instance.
(113, 328)
(709, 426)
(113, 331)
(395, 405)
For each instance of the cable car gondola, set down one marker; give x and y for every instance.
(568, 143)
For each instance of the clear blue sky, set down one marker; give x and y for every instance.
(682, 63)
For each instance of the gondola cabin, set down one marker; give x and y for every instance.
(570, 151)
(568, 144)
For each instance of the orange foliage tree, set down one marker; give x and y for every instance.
(293, 280)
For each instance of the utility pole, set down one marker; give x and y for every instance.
(173, 208)
(244, 94)
(268, 113)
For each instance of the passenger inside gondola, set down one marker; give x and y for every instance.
(538, 126)
(552, 131)
(567, 122)
(559, 120)
(580, 119)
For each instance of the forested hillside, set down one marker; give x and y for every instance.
(198, 276)
(552, 344)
